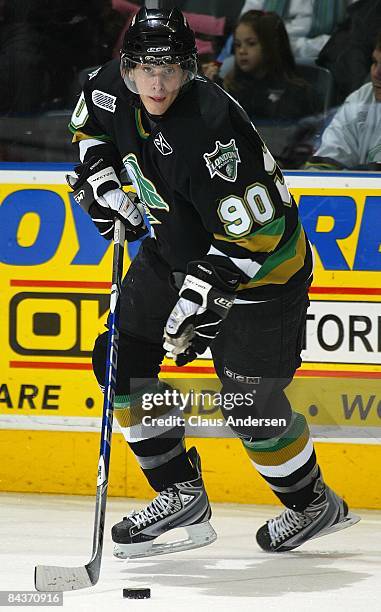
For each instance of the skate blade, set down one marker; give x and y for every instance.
(348, 521)
(199, 535)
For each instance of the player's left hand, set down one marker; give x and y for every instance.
(197, 317)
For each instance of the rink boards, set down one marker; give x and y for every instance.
(55, 271)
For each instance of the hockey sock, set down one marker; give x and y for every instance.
(157, 444)
(288, 463)
(158, 447)
(168, 465)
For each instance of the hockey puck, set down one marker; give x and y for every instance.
(137, 593)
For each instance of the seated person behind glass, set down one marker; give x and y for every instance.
(353, 139)
(264, 79)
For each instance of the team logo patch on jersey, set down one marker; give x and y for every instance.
(224, 160)
(162, 145)
(104, 100)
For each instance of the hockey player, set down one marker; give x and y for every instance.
(227, 266)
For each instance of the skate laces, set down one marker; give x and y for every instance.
(159, 507)
(286, 524)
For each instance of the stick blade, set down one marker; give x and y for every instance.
(54, 578)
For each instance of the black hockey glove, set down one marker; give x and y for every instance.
(97, 190)
(206, 297)
(103, 218)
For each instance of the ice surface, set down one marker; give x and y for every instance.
(341, 571)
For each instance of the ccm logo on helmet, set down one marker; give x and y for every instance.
(158, 49)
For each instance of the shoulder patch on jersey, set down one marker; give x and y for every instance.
(94, 73)
(104, 100)
(223, 161)
(162, 145)
(80, 113)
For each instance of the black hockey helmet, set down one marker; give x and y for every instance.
(159, 37)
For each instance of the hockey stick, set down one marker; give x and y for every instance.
(55, 578)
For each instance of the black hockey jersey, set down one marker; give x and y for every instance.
(210, 187)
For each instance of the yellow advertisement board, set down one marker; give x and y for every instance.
(55, 277)
(55, 273)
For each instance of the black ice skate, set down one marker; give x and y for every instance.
(326, 514)
(183, 504)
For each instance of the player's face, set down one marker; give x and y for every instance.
(158, 86)
(247, 49)
(375, 73)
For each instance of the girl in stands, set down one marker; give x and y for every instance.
(264, 77)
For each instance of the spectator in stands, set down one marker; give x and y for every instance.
(43, 45)
(348, 52)
(263, 79)
(309, 23)
(353, 138)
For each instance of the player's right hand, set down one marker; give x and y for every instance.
(129, 211)
(98, 191)
(103, 218)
